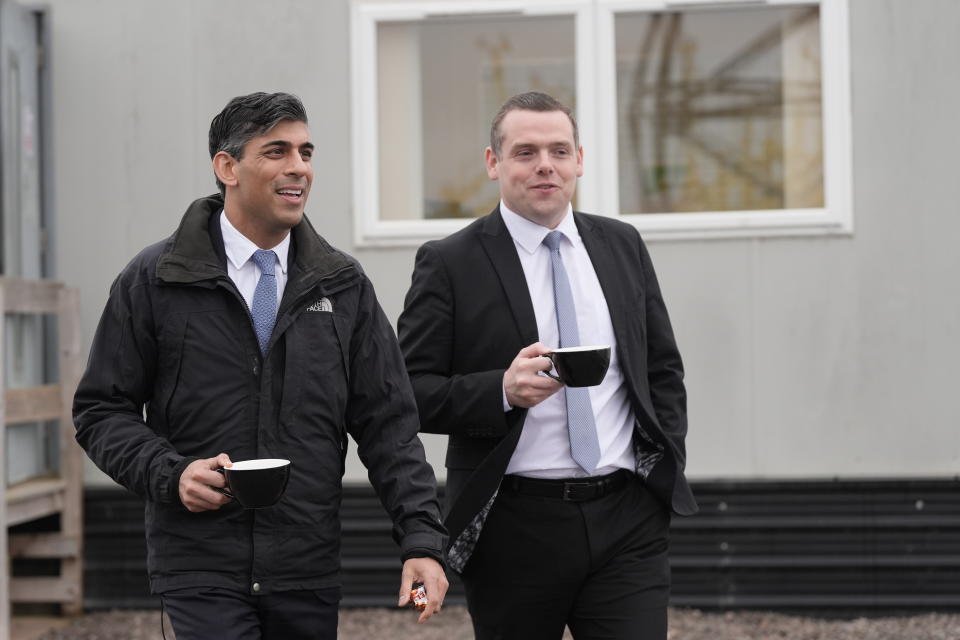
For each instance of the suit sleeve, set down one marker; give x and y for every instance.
(664, 365)
(450, 401)
(109, 401)
(382, 418)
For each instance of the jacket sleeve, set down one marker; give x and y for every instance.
(664, 365)
(465, 404)
(109, 402)
(382, 419)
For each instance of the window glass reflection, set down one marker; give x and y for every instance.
(440, 81)
(719, 110)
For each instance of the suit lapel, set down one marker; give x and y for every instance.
(611, 279)
(612, 274)
(499, 246)
(485, 481)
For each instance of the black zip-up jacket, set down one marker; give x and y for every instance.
(176, 339)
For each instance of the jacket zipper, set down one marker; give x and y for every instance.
(229, 285)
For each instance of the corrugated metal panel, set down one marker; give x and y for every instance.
(817, 545)
(839, 544)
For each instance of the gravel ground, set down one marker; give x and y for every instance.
(454, 624)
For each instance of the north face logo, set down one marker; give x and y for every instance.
(323, 304)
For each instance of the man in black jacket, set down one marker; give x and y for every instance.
(245, 335)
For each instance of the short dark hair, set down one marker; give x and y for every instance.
(248, 116)
(529, 101)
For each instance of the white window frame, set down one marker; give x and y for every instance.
(598, 190)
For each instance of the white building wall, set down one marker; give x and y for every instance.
(806, 357)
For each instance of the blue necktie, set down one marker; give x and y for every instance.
(584, 446)
(264, 307)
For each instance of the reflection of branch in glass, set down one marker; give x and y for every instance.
(497, 52)
(662, 108)
(636, 95)
(770, 39)
(454, 198)
(694, 116)
(740, 163)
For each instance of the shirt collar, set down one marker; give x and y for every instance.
(530, 235)
(239, 248)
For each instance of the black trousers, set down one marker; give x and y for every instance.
(599, 567)
(202, 613)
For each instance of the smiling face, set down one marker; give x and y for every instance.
(267, 188)
(538, 166)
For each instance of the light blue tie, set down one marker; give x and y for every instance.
(264, 307)
(584, 446)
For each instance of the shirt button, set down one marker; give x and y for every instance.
(256, 370)
(256, 587)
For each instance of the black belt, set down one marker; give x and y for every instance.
(570, 489)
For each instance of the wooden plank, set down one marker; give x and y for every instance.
(34, 499)
(40, 507)
(43, 545)
(33, 404)
(71, 456)
(4, 561)
(42, 589)
(30, 489)
(30, 296)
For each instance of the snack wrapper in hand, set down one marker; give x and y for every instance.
(418, 596)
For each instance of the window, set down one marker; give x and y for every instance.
(706, 118)
(438, 81)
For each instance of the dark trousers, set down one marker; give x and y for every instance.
(202, 613)
(599, 567)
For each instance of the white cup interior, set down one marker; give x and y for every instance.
(588, 348)
(261, 463)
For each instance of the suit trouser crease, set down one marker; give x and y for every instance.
(598, 566)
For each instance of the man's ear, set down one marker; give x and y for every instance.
(492, 161)
(225, 168)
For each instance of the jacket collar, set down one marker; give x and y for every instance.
(498, 244)
(194, 253)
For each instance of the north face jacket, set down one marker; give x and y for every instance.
(175, 374)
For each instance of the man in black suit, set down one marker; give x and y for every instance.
(546, 533)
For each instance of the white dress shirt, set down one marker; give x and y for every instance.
(544, 447)
(244, 271)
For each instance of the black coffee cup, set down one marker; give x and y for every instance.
(579, 366)
(256, 483)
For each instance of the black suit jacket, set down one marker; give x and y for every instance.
(468, 313)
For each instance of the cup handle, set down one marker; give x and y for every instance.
(550, 355)
(218, 489)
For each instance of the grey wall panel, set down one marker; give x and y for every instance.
(806, 357)
(708, 289)
(905, 98)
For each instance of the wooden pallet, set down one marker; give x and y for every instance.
(41, 497)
